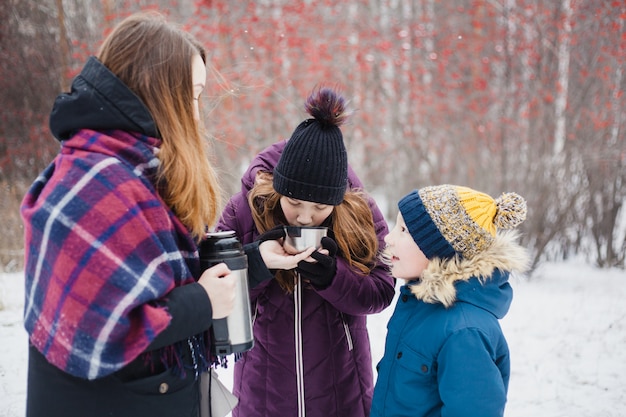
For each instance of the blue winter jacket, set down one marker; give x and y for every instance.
(454, 360)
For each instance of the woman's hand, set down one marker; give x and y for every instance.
(219, 284)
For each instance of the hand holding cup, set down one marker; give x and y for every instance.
(274, 254)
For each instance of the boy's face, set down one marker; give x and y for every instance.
(407, 260)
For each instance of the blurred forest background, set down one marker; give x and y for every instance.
(499, 95)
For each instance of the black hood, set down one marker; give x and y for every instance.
(99, 100)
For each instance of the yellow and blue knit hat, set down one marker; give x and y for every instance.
(449, 220)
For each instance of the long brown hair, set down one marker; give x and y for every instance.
(351, 222)
(154, 59)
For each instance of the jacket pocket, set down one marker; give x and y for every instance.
(413, 369)
(166, 382)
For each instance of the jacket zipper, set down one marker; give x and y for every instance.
(297, 298)
(346, 329)
(256, 311)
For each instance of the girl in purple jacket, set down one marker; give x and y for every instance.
(311, 353)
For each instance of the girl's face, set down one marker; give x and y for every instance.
(304, 213)
(198, 78)
(407, 260)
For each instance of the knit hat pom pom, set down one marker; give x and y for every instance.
(327, 107)
(511, 211)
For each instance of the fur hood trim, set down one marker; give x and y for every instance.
(437, 284)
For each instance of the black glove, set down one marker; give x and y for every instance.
(257, 271)
(322, 272)
(276, 233)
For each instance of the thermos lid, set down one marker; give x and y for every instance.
(222, 244)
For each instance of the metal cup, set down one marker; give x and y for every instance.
(299, 238)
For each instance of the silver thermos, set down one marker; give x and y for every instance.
(232, 334)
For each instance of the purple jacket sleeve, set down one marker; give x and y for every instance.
(356, 294)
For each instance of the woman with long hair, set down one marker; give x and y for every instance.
(116, 306)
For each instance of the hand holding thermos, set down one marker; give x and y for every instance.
(220, 285)
(226, 270)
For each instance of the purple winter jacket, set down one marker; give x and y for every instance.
(334, 372)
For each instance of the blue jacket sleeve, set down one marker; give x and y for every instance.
(470, 383)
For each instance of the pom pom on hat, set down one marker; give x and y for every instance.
(511, 212)
(314, 164)
(327, 107)
(449, 220)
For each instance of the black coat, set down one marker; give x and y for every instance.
(144, 387)
(54, 393)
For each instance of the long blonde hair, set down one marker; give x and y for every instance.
(154, 59)
(351, 222)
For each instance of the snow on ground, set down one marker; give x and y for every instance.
(566, 330)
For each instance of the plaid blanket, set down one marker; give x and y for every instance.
(102, 249)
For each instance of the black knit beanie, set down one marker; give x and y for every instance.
(314, 164)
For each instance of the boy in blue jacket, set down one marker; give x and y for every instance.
(445, 353)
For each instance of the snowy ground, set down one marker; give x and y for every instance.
(566, 331)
